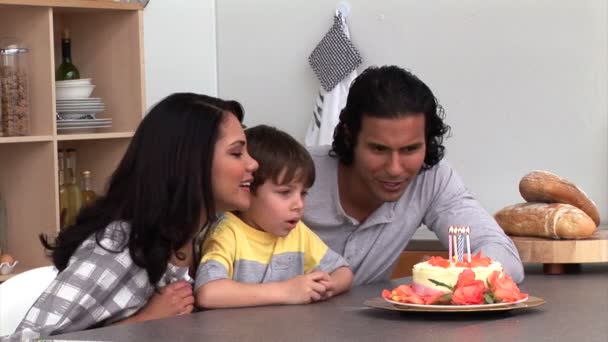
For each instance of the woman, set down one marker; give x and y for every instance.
(127, 258)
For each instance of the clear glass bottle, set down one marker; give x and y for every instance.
(73, 190)
(63, 192)
(14, 88)
(66, 70)
(88, 195)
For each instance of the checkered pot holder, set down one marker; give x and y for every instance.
(335, 56)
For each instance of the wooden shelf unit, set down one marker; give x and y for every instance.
(107, 46)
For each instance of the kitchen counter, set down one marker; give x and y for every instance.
(575, 310)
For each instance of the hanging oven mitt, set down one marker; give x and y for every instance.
(335, 57)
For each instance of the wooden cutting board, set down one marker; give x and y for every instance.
(554, 253)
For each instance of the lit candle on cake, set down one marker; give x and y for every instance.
(460, 238)
(450, 242)
(455, 243)
(468, 234)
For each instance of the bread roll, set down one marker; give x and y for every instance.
(546, 187)
(555, 220)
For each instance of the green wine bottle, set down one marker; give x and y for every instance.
(67, 70)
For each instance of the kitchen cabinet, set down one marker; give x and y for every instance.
(107, 46)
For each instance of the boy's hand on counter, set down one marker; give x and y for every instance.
(306, 288)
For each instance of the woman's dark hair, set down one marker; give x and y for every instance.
(277, 152)
(389, 92)
(161, 187)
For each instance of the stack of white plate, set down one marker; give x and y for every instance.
(83, 124)
(75, 109)
(85, 108)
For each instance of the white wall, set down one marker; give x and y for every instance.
(523, 83)
(180, 50)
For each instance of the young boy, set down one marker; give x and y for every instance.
(266, 255)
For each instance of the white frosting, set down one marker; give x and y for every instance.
(424, 271)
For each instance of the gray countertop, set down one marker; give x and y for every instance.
(576, 310)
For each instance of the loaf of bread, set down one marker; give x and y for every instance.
(546, 187)
(551, 220)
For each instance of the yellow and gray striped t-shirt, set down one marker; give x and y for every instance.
(237, 251)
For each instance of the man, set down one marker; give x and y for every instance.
(384, 177)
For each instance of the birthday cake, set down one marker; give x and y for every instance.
(462, 279)
(437, 275)
(426, 275)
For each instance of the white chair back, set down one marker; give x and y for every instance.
(18, 294)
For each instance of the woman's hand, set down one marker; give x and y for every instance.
(173, 299)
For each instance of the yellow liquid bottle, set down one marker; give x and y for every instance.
(74, 193)
(88, 195)
(63, 193)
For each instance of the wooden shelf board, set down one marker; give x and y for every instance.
(25, 139)
(80, 4)
(94, 136)
(548, 251)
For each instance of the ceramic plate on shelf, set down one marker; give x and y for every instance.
(80, 111)
(83, 109)
(80, 128)
(82, 99)
(85, 126)
(68, 121)
(79, 101)
(83, 123)
(75, 116)
(78, 105)
(69, 103)
(105, 124)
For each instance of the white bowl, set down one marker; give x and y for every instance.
(81, 81)
(74, 92)
(6, 268)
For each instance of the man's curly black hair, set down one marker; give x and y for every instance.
(389, 92)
